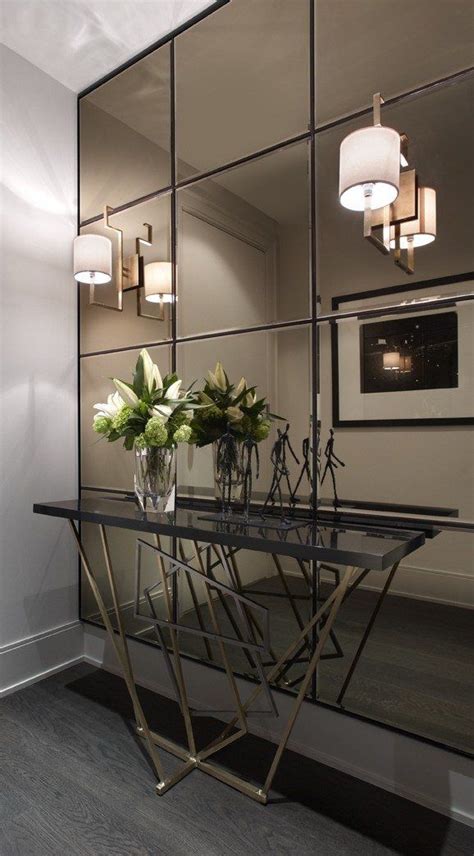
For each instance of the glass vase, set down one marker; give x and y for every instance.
(228, 474)
(155, 477)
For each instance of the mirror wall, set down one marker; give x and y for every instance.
(225, 156)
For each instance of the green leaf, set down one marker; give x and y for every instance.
(139, 377)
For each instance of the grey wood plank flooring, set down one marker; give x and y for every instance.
(74, 779)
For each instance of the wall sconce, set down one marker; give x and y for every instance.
(92, 259)
(93, 262)
(421, 231)
(158, 284)
(370, 180)
(391, 361)
(369, 167)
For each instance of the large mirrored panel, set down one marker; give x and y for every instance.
(244, 244)
(279, 363)
(140, 321)
(252, 89)
(359, 49)
(125, 136)
(103, 464)
(440, 128)
(398, 389)
(415, 665)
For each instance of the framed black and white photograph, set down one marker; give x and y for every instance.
(404, 367)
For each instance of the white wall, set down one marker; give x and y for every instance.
(38, 571)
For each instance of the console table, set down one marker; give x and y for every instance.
(357, 548)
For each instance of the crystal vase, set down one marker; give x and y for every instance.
(155, 478)
(228, 473)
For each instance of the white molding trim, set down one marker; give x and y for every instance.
(452, 588)
(383, 745)
(35, 657)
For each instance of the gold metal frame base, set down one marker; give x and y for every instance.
(191, 758)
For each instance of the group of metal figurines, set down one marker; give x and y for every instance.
(282, 497)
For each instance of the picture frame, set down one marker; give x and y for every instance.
(373, 352)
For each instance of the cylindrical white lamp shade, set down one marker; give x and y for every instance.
(422, 230)
(391, 361)
(93, 259)
(158, 282)
(370, 156)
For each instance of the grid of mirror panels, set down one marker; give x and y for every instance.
(226, 140)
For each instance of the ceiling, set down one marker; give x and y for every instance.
(79, 41)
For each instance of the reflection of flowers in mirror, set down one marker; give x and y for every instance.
(230, 408)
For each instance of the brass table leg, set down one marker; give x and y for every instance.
(367, 632)
(228, 669)
(190, 757)
(307, 678)
(333, 603)
(251, 617)
(177, 659)
(121, 648)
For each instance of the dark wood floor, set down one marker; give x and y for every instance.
(75, 780)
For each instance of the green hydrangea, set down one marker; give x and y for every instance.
(261, 431)
(211, 414)
(246, 425)
(156, 433)
(140, 442)
(182, 434)
(101, 424)
(121, 418)
(180, 419)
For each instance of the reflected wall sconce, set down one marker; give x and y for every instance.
(391, 361)
(394, 361)
(158, 284)
(371, 180)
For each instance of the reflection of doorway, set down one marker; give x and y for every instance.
(227, 269)
(414, 353)
(227, 278)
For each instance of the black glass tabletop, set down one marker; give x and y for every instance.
(363, 546)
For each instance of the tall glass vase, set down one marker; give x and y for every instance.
(155, 478)
(228, 474)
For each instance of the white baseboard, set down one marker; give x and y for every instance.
(379, 765)
(453, 588)
(36, 657)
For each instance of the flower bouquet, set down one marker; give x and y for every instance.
(152, 415)
(229, 417)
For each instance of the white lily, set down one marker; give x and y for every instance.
(173, 390)
(161, 410)
(216, 378)
(128, 394)
(235, 414)
(147, 369)
(250, 399)
(242, 384)
(114, 403)
(157, 377)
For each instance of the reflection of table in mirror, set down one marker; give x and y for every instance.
(356, 548)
